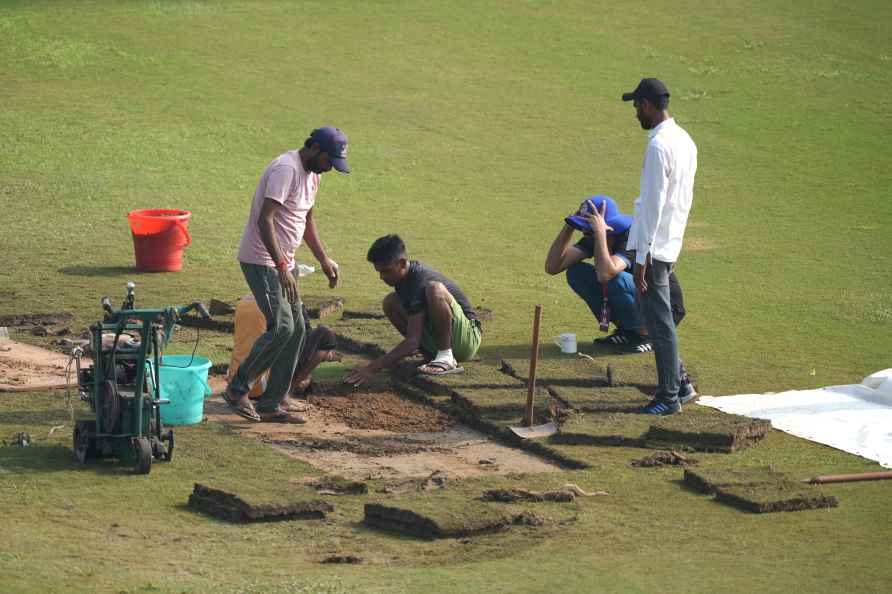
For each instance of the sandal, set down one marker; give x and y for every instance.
(282, 416)
(292, 404)
(245, 410)
(440, 368)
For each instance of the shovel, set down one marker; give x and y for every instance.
(528, 430)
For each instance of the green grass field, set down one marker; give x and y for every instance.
(474, 128)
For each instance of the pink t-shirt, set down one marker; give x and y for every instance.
(287, 182)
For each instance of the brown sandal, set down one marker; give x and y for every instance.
(245, 410)
(282, 416)
(292, 404)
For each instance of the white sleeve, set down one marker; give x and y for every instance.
(654, 186)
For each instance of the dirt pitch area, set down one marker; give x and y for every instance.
(24, 367)
(365, 435)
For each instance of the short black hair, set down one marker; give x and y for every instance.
(386, 249)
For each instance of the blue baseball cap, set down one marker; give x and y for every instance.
(334, 143)
(612, 216)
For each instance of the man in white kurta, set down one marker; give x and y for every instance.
(666, 195)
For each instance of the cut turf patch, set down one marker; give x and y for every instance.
(785, 495)
(621, 399)
(430, 522)
(254, 507)
(569, 370)
(603, 429)
(707, 432)
(710, 480)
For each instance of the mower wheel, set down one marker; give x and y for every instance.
(111, 407)
(84, 440)
(143, 450)
(169, 453)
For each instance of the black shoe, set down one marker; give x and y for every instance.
(686, 391)
(628, 341)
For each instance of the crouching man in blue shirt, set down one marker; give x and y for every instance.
(607, 286)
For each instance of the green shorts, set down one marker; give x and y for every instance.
(465, 335)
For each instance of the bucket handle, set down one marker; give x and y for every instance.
(208, 391)
(185, 231)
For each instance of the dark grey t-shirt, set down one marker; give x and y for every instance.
(411, 289)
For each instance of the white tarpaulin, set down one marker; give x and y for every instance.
(855, 418)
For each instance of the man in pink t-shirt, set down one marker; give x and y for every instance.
(281, 217)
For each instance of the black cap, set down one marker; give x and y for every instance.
(649, 88)
(334, 142)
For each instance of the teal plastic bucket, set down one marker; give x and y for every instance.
(185, 384)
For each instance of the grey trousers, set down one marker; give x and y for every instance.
(279, 347)
(656, 311)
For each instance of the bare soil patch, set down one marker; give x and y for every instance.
(366, 435)
(24, 367)
(382, 410)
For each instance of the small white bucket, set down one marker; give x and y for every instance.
(567, 342)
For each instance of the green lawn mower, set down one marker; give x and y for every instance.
(122, 385)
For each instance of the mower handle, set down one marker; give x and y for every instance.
(197, 306)
(107, 306)
(202, 310)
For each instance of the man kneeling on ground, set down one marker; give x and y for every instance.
(427, 308)
(605, 232)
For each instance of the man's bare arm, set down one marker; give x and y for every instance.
(562, 255)
(407, 347)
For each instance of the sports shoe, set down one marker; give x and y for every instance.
(686, 391)
(661, 407)
(629, 341)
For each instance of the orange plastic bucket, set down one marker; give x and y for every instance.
(159, 236)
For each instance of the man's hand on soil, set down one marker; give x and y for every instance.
(332, 271)
(359, 376)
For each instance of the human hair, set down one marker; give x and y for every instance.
(309, 142)
(661, 102)
(386, 249)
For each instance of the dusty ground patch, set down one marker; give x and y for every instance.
(379, 435)
(24, 367)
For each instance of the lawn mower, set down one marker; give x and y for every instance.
(122, 385)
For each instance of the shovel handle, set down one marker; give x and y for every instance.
(534, 362)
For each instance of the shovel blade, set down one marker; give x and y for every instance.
(535, 431)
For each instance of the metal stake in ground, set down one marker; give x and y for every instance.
(528, 431)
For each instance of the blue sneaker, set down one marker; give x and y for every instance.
(686, 391)
(661, 407)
